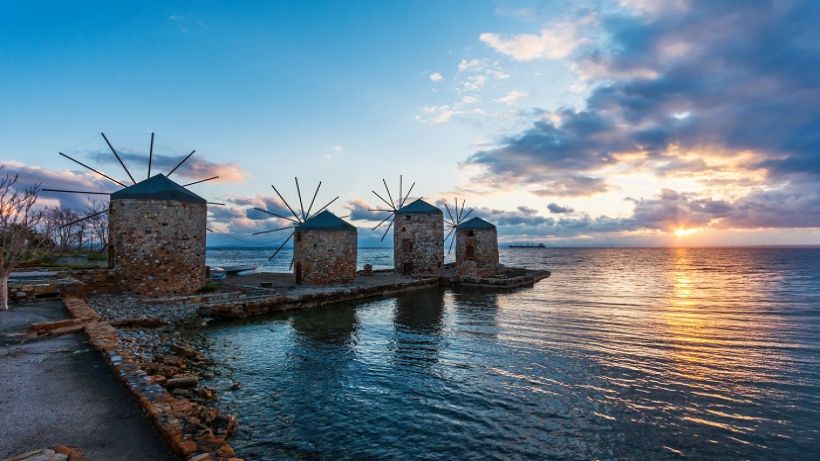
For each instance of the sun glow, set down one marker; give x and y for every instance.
(685, 232)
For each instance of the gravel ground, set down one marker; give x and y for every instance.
(124, 307)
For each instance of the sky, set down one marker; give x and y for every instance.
(619, 122)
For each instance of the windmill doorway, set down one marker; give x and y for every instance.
(297, 272)
(470, 252)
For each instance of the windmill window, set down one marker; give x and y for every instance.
(407, 245)
(403, 229)
(298, 237)
(471, 233)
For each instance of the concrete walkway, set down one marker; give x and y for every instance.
(57, 391)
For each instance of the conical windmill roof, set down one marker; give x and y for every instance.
(326, 221)
(157, 187)
(418, 207)
(476, 223)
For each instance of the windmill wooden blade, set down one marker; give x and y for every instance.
(387, 230)
(408, 193)
(383, 221)
(310, 207)
(449, 234)
(75, 191)
(150, 155)
(201, 180)
(448, 212)
(388, 193)
(286, 203)
(280, 247)
(456, 209)
(291, 265)
(83, 219)
(468, 214)
(462, 209)
(299, 194)
(92, 169)
(451, 245)
(215, 203)
(400, 201)
(118, 157)
(276, 215)
(380, 209)
(273, 230)
(180, 163)
(383, 200)
(328, 204)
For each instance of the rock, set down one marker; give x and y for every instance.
(73, 453)
(207, 393)
(224, 425)
(225, 450)
(186, 393)
(188, 352)
(201, 457)
(182, 382)
(187, 447)
(172, 360)
(39, 455)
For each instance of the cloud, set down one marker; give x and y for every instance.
(558, 209)
(194, 168)
(557, 41)
(436, 77)
(60, 179)
(511, 97)
(688, 90)
(360, 211)
(436, 114)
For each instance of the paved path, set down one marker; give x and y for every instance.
(58, 391)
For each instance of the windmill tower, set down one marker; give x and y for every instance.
(477, 247)
(476, 242)
(418, 233)
(324, 247)
(156, 230)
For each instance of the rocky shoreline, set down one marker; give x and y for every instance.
(163, 365)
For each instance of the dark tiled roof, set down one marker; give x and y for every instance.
(476, 223)
(419, 207)
(157, 188)
(326, 221)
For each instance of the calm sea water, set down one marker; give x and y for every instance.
(621, 354)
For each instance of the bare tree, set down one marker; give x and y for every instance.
(98, 224)
(61, 226)
(19, 240)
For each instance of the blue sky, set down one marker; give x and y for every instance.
(637, 123)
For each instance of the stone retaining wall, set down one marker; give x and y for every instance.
(179, 420)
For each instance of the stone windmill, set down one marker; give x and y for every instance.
(418, 232)
(324, 248)
(455, 220)
(156, 230)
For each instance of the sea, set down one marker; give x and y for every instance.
(635, 354)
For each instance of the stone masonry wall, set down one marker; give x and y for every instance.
(157, 246)
(325, 256)
(485, 249)
(418, 240)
